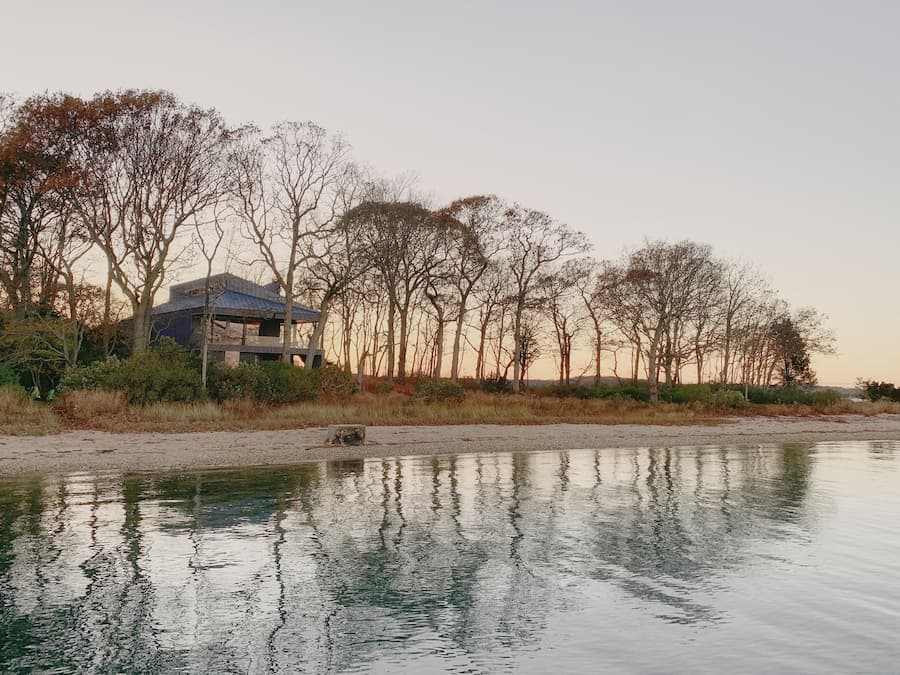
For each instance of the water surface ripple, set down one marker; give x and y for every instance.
(780, 559)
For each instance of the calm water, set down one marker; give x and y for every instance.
(781, 559)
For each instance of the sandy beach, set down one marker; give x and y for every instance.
(100, 451)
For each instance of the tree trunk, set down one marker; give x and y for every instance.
(204, 348)
(439, 347)
(107, 313)
(517, 346)
(346, 338)
(404, 337)
(287, 326)
(479, 362)
(392, 316)
(457, 341)
(141, 338)
(726, 352)
(699, 365)
(652, 379)
(315, 340)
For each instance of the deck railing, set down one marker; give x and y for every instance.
(256, 341)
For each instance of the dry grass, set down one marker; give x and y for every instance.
(87, 408)
(107, 411)
(842, 407)
(21, 416)
(392, 410)
(482, 408)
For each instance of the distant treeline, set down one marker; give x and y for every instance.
(879, 391)
(149, 185)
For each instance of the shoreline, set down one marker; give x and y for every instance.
(99, 451)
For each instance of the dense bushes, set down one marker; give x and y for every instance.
(438, 391)
(497, 384)
(686, 393)
(275, 382)
(271, 382)
(717, 396)
(792, 395)
(8, 377)
(877, 391)
(584, 392)
(335, 382)
(166, 373)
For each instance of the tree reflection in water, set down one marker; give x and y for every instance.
(330, 566)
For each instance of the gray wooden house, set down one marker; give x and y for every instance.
(247, 320)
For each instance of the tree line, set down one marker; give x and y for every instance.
(105, 200)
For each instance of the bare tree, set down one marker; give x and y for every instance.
(558, 293)
(529, 345)
(492, 295)
(336, 258)
(706, 314)
(287, 193)
(475, 226)
(742, 284)
(594, 287)
(437, 298)
(60, 254)
(208, 238)
(652, 297)
(406, 245)
(535, 241)
(692, 301)
(152, 167)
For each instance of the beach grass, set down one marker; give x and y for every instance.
(21, 416)
(107, 411)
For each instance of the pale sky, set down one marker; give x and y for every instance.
(769, 129)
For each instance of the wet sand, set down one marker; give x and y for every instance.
(101, 451)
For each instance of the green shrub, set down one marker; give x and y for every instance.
(497, 384)
(8, 377)
(566, 391)
(285, 383)
(877, 391)
(98, 375)
(438, 391)
(791, 395)
(224, 383)
(824, 397)
(632, 392)
(272, 382)
(471, 384)
(686, 393)
(336, 382)
(166, 373)
(727, 399)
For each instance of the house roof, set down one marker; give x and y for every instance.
(231, 295)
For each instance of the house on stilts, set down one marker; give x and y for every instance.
(246, 321)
